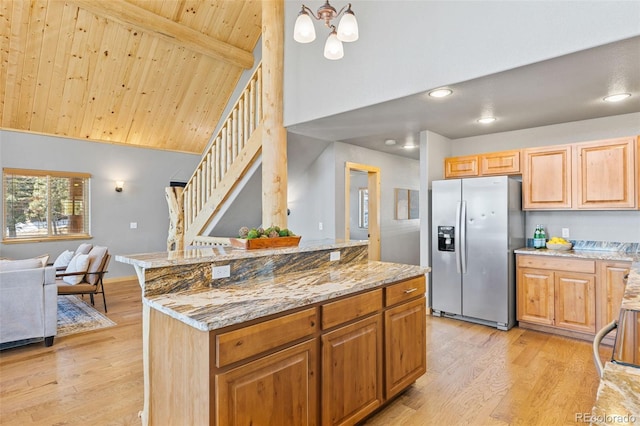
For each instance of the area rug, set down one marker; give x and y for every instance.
(77, 316)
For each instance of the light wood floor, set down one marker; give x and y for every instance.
(476, 376)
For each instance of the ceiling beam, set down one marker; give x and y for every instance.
(166, 29)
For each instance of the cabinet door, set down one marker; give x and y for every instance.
(535, 292)
(606, 174)
(575, 301)
(405, 350)
(610, 290)
(279, 389)
(351, 371)
(456, 167)
(546, 178)
(500, 163)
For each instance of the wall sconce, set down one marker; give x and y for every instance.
(119, 185)
(304, 31)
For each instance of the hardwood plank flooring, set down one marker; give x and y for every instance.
(476, 375)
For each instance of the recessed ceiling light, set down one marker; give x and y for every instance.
(390, 142)
(617, 97)
(487, 120)
(440, 93)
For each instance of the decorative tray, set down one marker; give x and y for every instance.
(262, 243)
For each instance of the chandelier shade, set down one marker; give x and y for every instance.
(347, 31)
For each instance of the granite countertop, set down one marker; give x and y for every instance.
(583, 254)
(617, 402)
(214, 308)
(227, 253)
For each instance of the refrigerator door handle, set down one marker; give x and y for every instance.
(462, 224)
(456, 235)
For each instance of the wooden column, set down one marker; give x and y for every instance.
(274, 135)
(175, 239)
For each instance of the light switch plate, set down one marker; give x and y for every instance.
(565, 232)
(133, 225)
(221, 272)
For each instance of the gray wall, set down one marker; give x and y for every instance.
(441, 42)
(621, 226)
(145, 173)
(317, 194)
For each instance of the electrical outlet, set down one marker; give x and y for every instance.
(320, 226)
(221, 272)
(565, 232)
(334, 255)
(133, 225)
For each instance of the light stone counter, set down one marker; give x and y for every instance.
(584, 254)
(261, 282)
(210, 309)
(228, 253)
(618, 401)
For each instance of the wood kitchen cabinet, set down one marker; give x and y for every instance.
(487, 164)
(352, 372)
(405, 337)
(279, 389)
(575, 301)
(546, 178)
(557, 293)
(457, 167)
(606, 174)
(597, 175)
(609, 292)
(535, 302)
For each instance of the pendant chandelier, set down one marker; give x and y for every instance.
(347, 31)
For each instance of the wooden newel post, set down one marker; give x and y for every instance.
(274, 137)
(175, 239)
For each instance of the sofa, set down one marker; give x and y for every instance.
(28, 303)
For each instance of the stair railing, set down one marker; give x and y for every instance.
(242, 121)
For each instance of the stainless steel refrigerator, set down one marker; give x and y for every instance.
(477, 223)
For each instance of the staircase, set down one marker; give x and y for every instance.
(236, 147)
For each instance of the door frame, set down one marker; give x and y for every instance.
(373, 186)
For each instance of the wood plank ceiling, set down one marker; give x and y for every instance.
(148, 73)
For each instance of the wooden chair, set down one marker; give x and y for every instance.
(91, 282)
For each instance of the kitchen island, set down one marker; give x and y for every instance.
(290, 337)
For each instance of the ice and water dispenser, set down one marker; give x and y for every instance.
(446, 239)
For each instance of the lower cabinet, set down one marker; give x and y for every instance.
(568, 295)
(352, 371)
(279, 389)
(405, 348)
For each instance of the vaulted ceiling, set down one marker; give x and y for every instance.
(147, 73)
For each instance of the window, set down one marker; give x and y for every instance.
(40, 204)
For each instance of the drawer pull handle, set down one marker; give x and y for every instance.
(410, 290)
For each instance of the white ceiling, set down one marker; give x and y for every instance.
(558, 90)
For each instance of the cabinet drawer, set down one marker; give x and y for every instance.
(252, 340)
(557, 263)
(344, 310)
(405, 290)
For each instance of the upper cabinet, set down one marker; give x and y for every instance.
(457, 167)
(606, 174)
(489, 164)
(546, 178)
(598, 175)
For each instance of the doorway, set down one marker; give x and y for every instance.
(367, 213)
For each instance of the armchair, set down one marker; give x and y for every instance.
(28, 305)
(89, 281)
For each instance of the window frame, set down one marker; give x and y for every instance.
(49, 236)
